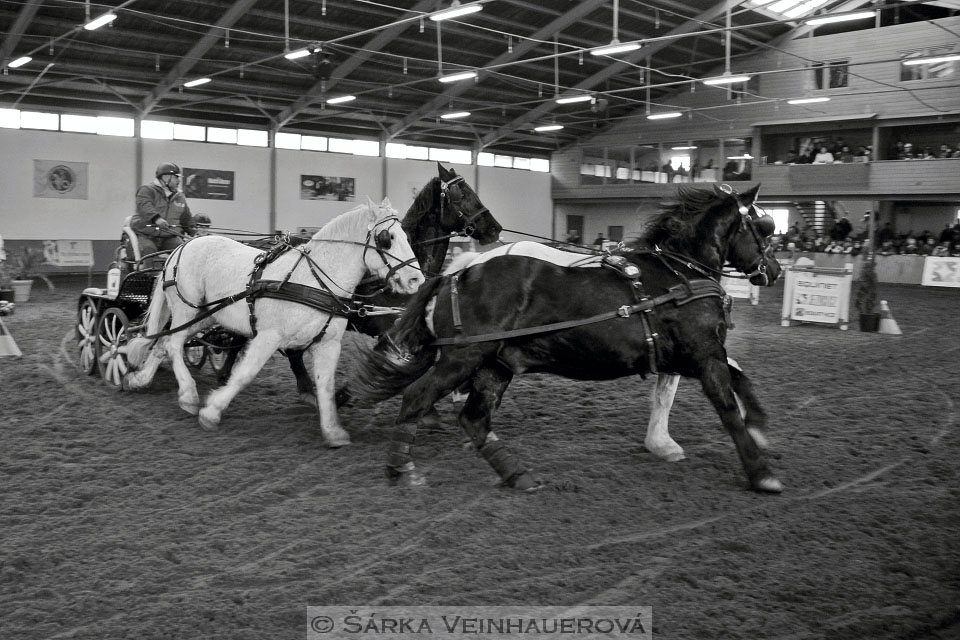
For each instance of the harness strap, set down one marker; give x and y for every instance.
(455, 302)
(679, 295)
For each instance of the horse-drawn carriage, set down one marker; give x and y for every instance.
(107, 318)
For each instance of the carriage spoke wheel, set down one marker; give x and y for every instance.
(112, 337)
(195, 354)
(87, 336)
(217, 358)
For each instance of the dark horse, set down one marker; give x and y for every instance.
(445, 207)
(515, 314)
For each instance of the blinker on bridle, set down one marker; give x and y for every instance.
(746, 220)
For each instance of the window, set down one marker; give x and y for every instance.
(10, 118)
(189, 132)
(39, 120)
(615, 233)
(929, 70)
(156, 129)
(226, 136)
(252, 138)
(833, 74)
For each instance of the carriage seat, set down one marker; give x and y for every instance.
(128, 241)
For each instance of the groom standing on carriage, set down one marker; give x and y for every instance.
(163, 216)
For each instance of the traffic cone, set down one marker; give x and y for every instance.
(887, 323)
(8, 347)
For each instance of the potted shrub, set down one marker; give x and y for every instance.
(25, 267)
(866, 301)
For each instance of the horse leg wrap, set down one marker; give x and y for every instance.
(503, 461)
(401, 444)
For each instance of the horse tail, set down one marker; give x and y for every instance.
(158, 315)
(401, 355)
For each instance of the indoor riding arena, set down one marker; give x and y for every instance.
(260, 194)
(123, 518)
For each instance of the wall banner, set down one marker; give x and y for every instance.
(60, 179)
(941, 272)
(208, 184)
(327, 188)
(68, 253)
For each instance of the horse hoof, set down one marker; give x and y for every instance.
(406, 478)
(193, 408)
(526, 482)
(768, 484)
(208, 424)
(675, 456)
(668, 454)
(336, 443)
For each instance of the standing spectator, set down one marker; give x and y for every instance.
(669, 170)
(600, 239)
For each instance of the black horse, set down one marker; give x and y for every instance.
(445, 207)
(655, 309)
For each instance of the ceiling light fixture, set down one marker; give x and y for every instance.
(197, 82)
(96, 23)
(683, 148)
(456, 10)
(454, 115)
(19, 62)
(548, 127)
(840, 17)
(615, 45)
(299, 53)
(808, 100)
(341, 99)
(572, 99)
(664, 115)
(456, 77)
(934, 59)
(745, 156)
(726, 78)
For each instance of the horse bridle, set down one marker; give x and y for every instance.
(445, 185)
(746, 220)
(373, 234)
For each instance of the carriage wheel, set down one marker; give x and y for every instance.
(217, 357)
(112, 340)
(87, 336)
(195, 354)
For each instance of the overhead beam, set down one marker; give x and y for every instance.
(12, 39)
(348, 66)
(520, 49)
(690, 26)
(196, 53)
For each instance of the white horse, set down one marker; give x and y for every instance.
(658, 440)
(300, 302)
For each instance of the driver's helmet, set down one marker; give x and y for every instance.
(202, 220)
(168, 169)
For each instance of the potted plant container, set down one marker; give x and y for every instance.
(25, 267)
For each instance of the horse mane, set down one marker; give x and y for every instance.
(686, 225)
(351, 224)
(423, 204)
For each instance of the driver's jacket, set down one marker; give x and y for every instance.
(155, 201)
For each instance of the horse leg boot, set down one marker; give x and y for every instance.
(658, 440)
(488, 385)
(718, 388)
(754, 416)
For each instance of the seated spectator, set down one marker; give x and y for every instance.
(856, 249)
(945, 151)
(942, 250)
(841, 229)
(926, 249)
(907, 152)
(823, 156)
(955, 250)
(909, 247)
(845, 154)
(956, 153)
(926, 154)
(832, 247)
(887, 248)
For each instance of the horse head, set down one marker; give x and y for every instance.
(392, 258)
(461, 209)
(749, 249)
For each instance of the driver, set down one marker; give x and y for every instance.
(163, 216)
